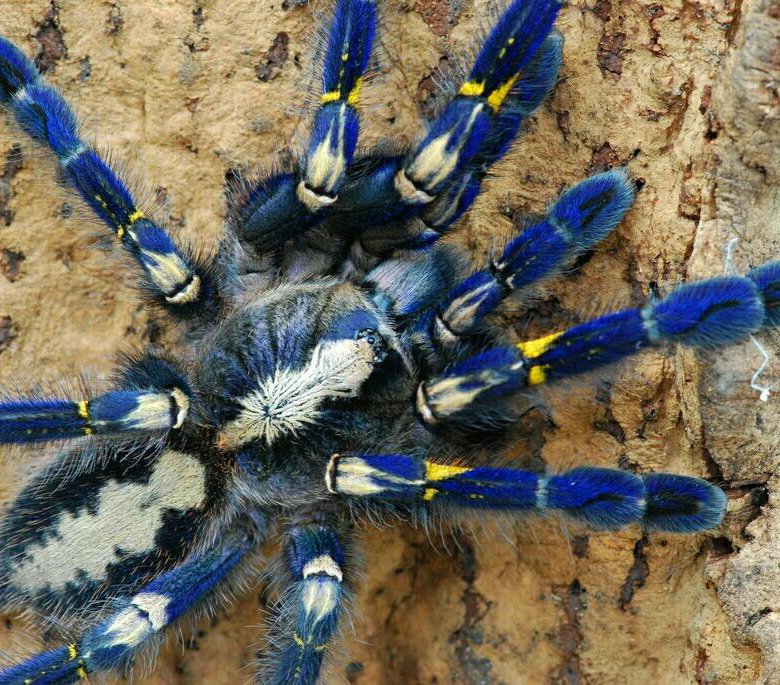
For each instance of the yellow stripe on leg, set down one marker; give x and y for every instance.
(535, 348)
(499, 94)
(82, 409)
(472, 89)
(330, 96)
(137, 215)
(536, 375)
(354, 95)
(435, 472)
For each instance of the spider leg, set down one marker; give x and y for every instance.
(582, 217)
(153, 397)
(439, 179)
(601, 498)
(719, 311)
(286, 205)
(317, 569)
(431, 290)
(532, 87)
(136, 623)
(170, 276)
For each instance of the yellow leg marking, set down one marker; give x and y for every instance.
(299, 641)
(331, 96)
(354, 94)
(435, 472)
(137, 215)
(120, 231)
(83, 411)
(536, 375)
(499, 94)
(536, 348)
(472, 88)
(72, 652)
(81, 673)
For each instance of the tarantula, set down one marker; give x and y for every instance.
(342, 368)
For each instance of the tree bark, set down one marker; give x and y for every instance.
(685, 93)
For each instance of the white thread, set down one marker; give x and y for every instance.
(764, 392)
(728, 268)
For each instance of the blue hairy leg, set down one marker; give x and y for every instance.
(601, 498)
(135, 623)
(719, 311)
(288, 204)
(472, 132)
(581, 217)
(170, 275)
(154, 396)
(310, 607)
(767, 280)
(529, 91)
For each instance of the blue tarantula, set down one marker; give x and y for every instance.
(342, 367)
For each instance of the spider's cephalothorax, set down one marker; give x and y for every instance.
(341, 366)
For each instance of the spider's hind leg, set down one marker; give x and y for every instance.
(136, 623)
(318, 574)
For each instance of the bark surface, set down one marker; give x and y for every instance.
(685, 93)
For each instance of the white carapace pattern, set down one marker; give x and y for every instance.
(289, 400)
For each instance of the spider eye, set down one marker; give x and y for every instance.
(376, 341)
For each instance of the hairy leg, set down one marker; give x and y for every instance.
(153, 397)
(317, 572)
(283, 206)
(601, 498)
(136, 623)
(703, 314)
(169, 275)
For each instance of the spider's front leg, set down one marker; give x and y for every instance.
(440, 178)
(153, 396)
(442, 316)
(703, 314)
(581, 218)
(137, 622)
(286, 205)
(601, 498)
(317, 576)
(170, 276)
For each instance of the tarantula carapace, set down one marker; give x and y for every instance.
(342, 367)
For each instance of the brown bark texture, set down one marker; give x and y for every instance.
(685, 92)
